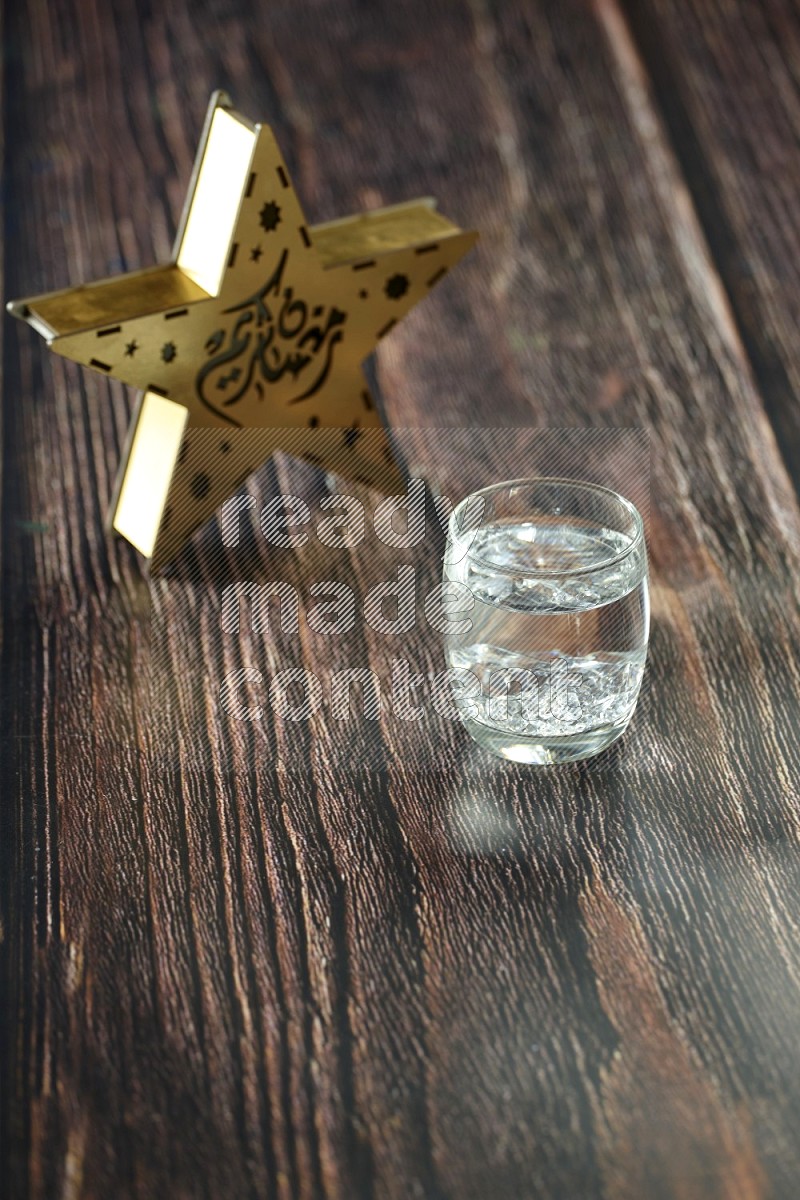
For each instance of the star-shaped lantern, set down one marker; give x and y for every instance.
(260, 322)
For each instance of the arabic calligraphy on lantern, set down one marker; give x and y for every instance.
(275, 335)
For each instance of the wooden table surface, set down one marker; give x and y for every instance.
(363, 959)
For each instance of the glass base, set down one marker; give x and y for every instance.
(541, 751)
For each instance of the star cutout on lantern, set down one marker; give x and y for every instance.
(396, 287)
(268, 339)
(270, 217)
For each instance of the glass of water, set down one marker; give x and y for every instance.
(547, 644)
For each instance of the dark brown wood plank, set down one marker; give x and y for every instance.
(727, 81)
(297, 959)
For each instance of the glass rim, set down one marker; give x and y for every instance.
(575, 484)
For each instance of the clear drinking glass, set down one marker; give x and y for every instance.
(548, 644)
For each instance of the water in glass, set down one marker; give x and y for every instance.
(550, 659)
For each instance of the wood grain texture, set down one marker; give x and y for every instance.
(727, 81)
(314, 959)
